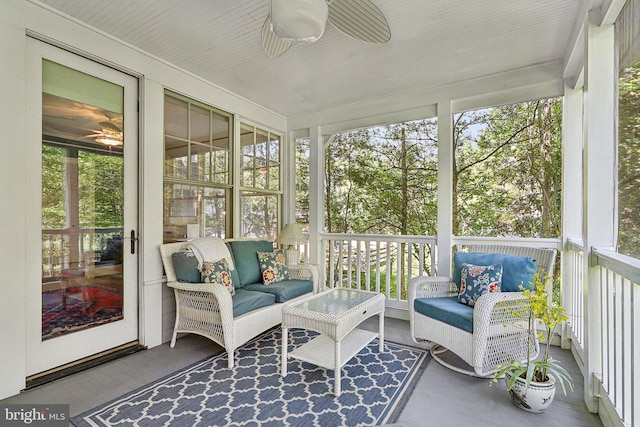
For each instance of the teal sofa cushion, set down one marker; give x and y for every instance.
(284, 290)
(245, 258)
(447, 310)
(516, 270)
(245, 301)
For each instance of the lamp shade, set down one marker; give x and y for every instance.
(299, 21)
(290, 235)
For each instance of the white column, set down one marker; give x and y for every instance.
(289, 179)
(599, 189)
(151, 227)
(316, 196)
(572, 139)
(445, 189)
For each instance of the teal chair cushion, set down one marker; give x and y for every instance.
(516, 270)
(245, 301)
(447, 310)
(245, 258)
(284, 290)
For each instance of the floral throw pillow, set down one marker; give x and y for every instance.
(477, 280)
(273, 266)
(217, 272)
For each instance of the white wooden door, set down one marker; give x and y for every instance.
(82, 287)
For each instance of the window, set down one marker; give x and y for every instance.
(302, 183)
(260, 182)
(383, 180)
(197, 169)
(507, 170)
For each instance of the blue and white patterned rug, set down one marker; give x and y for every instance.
(375, 388)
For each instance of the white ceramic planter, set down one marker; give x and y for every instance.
(536, 398)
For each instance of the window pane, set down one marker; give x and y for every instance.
(220, 165)
(175, 158)
(200, 131)
(273, 176)
(259, 215)
(200, 162)
(192, 211)
(507, 170)
(176, 117)
(261, 160)
(302, 183)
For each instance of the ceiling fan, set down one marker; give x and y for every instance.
(109, 134)
(303, 21)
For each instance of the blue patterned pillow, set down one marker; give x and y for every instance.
(218, 272)
(273, 266)
(476, 280)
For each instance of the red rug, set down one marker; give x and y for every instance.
(77, 308)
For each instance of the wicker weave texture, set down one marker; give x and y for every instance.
(207, 309)
(339, 340)
(498, 335)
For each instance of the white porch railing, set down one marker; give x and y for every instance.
(380, 263)
(618, 284)
(56, 252)
(573, 293)
(620, 329)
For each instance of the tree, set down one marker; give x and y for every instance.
(629, 162)
(507, 170)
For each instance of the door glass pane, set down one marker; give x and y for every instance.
(82, 203)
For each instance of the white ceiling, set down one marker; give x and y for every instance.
(433, 43)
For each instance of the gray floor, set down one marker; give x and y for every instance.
(441, 398)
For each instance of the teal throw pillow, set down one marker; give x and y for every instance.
(516, 270)
(218, 272)
(185, 265)
(273, 266)
(477, 280)
(244, 253)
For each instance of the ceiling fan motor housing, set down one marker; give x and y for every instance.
(299, 21)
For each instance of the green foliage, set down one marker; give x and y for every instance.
(506, 175)
(53, 211)
(100, 192)
(552, 315)
(629, 162)
(507, 171)
(383, 180)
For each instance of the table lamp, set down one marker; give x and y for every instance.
(290, 236)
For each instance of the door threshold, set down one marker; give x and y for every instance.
(82, 364)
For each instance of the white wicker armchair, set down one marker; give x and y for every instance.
(498, 337)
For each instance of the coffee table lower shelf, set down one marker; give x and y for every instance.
(321, 350)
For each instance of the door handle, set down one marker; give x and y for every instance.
(134, 239)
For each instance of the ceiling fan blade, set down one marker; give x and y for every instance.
(272, 44)
(359, 19)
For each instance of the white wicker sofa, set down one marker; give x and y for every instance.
(483, 336)
(208, 309)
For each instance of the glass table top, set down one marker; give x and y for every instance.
(336, 301)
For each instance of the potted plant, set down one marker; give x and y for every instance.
(532, 383)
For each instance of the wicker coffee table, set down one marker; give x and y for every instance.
(335, 314)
